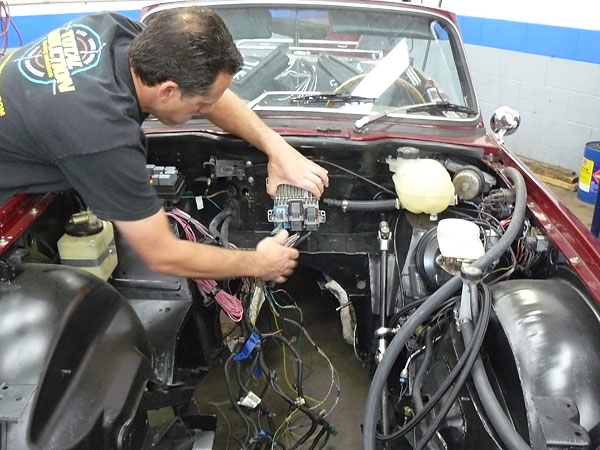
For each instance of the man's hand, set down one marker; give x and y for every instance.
(289, 166)
(286, 164)
(276, 262)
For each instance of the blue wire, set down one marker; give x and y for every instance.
(209, 199)
(212, 201)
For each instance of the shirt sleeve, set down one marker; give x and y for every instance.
(113, 183)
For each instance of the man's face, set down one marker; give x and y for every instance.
(177, 110)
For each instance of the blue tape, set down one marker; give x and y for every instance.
(253, 339)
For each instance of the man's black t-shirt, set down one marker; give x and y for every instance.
(69, 118)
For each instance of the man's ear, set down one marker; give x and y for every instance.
(166, 90)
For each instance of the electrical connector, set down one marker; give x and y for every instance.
(403, 379)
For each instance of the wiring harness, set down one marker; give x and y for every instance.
(249, 378)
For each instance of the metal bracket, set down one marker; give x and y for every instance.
(14, 399)
(225, 168)
(559, 419)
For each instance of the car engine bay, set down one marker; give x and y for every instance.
(480, 307)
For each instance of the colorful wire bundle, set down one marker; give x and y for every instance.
(229, 303)
(5, 24)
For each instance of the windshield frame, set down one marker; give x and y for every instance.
(456, 43)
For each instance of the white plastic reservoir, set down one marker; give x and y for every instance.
(423, 185)
(459, 239)
(95, 253)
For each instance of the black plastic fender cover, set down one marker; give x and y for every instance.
(74, 336)
(553, 331)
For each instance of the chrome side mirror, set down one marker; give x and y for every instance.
(504, 122)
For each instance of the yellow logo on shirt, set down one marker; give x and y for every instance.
(60, 55)
(2, 109)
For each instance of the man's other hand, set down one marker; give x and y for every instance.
(276, 262)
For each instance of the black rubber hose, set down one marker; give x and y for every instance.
(225, 231)
(420, 376)
(418, 383)
(503, 426)
(435, 398)
(363, 205)
(473, 346)
(373, 403)
(214, 223)
(406, 308)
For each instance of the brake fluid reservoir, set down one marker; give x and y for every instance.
(423, 185)
(459, 239)
(89, 246)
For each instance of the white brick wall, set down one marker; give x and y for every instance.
(559, 101)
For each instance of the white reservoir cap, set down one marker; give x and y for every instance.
(459, 238)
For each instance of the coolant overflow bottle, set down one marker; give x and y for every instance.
(422, 185)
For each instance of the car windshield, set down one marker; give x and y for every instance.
(349, 60)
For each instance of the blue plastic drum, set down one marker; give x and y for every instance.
(589, 177)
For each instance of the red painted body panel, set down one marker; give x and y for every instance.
(569, 234)
(18, 213)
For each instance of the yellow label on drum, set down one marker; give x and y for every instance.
(585, 177)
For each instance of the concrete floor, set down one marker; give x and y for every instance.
(323, 324)
(584, 211)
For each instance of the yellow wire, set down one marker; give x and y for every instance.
(287, 380)
(286, 420)
(501, 269)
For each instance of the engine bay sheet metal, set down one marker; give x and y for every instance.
(14, 398)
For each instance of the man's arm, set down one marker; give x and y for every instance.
(154, 242)
(286, 164)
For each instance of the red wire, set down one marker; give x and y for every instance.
(5, 24)
(232, 306)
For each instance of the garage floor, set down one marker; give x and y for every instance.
(584, 211)
(323, 324)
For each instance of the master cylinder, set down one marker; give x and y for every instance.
(295, 209)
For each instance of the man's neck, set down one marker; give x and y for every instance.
(141, 91)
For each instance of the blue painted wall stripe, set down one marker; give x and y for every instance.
(34, 27)
(544, 40)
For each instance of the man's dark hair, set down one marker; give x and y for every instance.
(189, 46)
